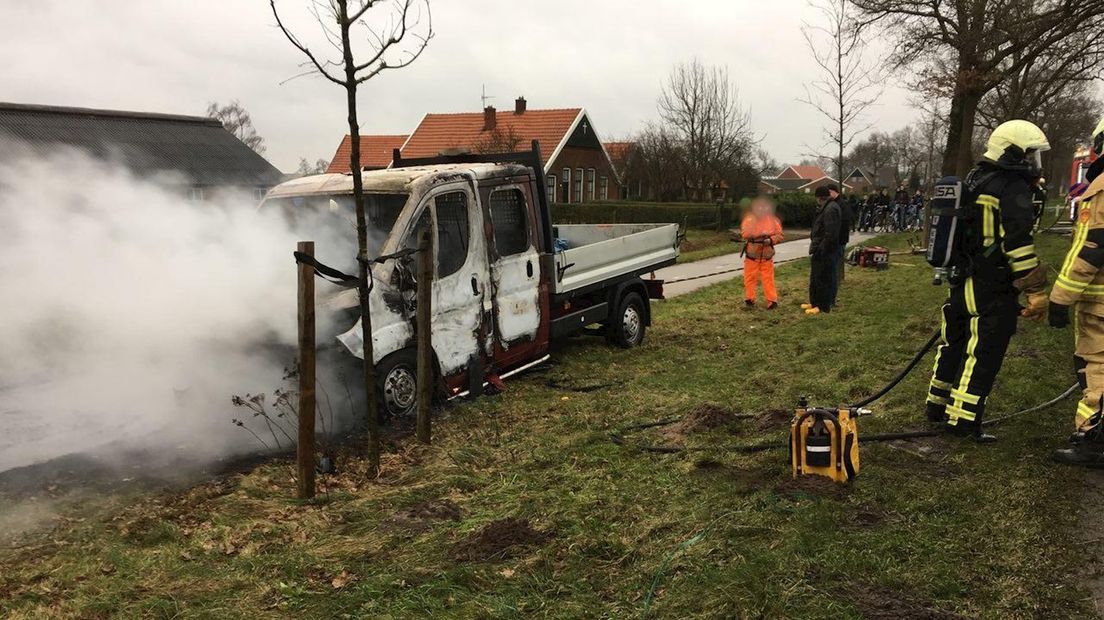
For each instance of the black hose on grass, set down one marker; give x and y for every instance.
(901, 375)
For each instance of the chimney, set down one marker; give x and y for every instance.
(489, 118)
(519, 105)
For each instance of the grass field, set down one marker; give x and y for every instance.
(702, 244)
(524, 508)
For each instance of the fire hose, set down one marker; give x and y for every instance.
(618, 437)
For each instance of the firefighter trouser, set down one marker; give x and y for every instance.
(1088, 361)
(756, 270)
(977, 326)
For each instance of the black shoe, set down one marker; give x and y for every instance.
(937, 414)
(969, 430)
(771, 305)
(1084, 453)
(750, 303)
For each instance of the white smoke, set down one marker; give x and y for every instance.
(129, 314)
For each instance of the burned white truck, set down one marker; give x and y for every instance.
(507, 280)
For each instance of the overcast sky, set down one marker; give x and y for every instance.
(609, 56)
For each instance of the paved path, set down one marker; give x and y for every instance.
(784, 252)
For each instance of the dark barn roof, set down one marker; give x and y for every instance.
(197, 147)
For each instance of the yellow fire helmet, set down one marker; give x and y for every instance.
(1020, 135)
(1098, 138)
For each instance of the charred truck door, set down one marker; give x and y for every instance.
(519, 305)
(461, 295)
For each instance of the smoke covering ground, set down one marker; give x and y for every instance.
(131, 314)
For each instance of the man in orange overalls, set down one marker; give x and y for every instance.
(761, 231)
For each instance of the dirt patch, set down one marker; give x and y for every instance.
(499, 540)
(881, 603)
(1090, 527)
(702, 418)
(421, 516)
(773, 418)
(866, 518)
(816, 486)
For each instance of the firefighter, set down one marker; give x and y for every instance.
(824, 253)
(761, 230)
(979, 316)
(1081, 284)
(1038, 200)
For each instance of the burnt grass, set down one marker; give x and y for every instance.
(522, 506)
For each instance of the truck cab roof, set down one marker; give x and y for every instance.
(393, 179)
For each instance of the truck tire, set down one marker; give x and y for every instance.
(397, 384)
(626, 326)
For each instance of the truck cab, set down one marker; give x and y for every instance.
(501, 290)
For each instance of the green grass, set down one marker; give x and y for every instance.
(980, 531)
(702, 244)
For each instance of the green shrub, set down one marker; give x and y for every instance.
(796, 210)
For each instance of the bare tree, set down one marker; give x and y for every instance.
(848, 83)
(235, 118)
(873, 154)
(972, 46)
(306, 168)
(498, 140)
(367, 42)
(701, 107)
(654, 167)
(932, 131)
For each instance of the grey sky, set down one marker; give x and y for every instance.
(608, 56)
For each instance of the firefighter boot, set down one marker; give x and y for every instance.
(1086, 450)
(937, 413)
(970, 430)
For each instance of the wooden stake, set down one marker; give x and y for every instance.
(424, 335)
(305, 450)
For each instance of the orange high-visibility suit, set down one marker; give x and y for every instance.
(760, 233)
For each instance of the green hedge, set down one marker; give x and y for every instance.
(795, 209)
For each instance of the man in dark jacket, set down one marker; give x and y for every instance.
(847, 218)
(824, 253)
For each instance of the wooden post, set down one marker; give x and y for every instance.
(424, 332)
(305, 450)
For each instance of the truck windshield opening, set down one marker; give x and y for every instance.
(330, 221)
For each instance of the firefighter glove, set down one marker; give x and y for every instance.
(1036, 306)
(1058, 315)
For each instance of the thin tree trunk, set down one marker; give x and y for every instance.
(362, 246)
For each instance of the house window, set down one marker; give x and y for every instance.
(590, 184)
(196, 193)
(509, 220)
(259, 193)
(551, 181)
(566, 185)
(452, 232)
(603, 187)
(578, 185)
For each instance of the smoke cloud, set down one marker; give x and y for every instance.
(131, 314)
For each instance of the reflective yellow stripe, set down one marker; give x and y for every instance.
(1079, 234)
(1085, 410)
(938, 400)
(942, 385)
(968, 368)
(1024, 264)
(989, 201)
(958, 412)
(965, 397)
(1071, 285)
(971, 303)
(1026, 250)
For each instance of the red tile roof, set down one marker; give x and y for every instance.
(811, 173)
(375, 152)
(618, 151)
(442, 132)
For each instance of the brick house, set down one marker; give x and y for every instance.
(576, 165)
(805, 179)
(375, 152)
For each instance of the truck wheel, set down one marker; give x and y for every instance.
(626, 327)
(397, 384)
